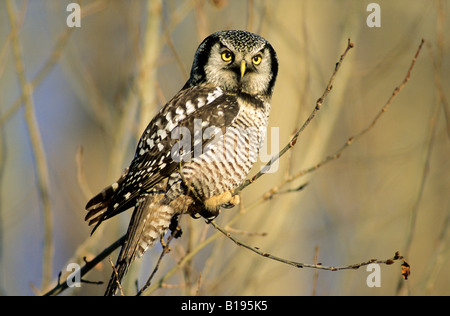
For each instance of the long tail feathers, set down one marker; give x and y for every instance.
(150, 220)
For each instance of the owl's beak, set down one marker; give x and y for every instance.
(243, 68)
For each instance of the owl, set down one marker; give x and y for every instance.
(198, 148)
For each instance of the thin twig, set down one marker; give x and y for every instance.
(181, 263)
(425, 172)
(88, 266)
(306, 265)
(242, 232)
(163, 252)
(394, 94)
(117, 276)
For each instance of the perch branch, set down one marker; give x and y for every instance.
(397, 256)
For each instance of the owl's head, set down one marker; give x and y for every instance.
(236, 61)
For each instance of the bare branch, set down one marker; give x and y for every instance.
(165, 250)
(117, 277)
(89, 265)
(405, 266)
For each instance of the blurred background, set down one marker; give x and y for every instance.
(74, 101)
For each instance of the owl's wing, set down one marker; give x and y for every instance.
(193, 110)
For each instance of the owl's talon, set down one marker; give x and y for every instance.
(215, 202)
(174, 228)
(212, 205)
(235, 200)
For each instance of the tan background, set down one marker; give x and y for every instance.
(96, 87)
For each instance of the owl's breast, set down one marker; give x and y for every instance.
(227, 159)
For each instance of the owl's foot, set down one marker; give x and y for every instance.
(212, 205)
(174, 227)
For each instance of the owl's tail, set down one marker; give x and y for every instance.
(150, 220)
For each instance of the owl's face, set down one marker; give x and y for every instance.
(236, 61)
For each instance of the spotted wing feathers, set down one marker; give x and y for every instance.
(153, 160)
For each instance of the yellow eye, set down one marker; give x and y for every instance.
(227, 56)
(257, 59)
